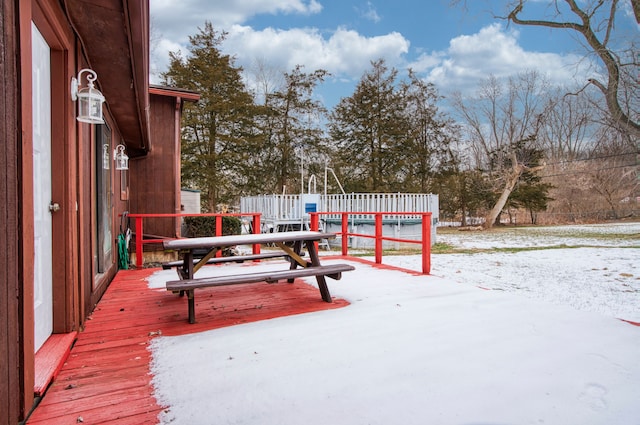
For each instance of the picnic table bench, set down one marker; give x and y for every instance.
(188, 266)
(232, 258)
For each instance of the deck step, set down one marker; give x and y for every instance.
(50, 358)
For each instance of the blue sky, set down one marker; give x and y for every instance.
(452, 47)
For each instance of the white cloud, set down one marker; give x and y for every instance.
(370, 13)
(179, 20)
(232, 12)
(174, 22)
(344, 53)
(160, 57)
(492, 51)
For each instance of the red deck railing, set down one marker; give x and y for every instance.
(425, 241)
(140, 240)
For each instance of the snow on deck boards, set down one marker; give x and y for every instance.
(106, 378)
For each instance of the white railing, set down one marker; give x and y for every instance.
(282, 211)
(292, 207)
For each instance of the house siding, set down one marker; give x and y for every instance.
(155, 182)
(11, 362)
(77, 284)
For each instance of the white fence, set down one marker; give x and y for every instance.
(296, 207)
(382, 202)
(285, 211)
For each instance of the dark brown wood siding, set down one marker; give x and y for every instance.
(155, 182)
(11, 364)
(76, 288)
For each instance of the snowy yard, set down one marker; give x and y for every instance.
(542, 346)
(595, 272)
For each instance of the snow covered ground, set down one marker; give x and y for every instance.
(605, 279)
(605, 235)
(543, 349)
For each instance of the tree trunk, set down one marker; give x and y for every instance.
(463, 222)
(510, 184)
(511, 180)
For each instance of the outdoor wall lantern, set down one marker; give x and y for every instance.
(121, 158)
(89, 98)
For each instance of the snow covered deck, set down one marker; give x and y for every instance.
(106, 377)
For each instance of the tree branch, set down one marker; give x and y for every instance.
(513, 17)
(610, 90)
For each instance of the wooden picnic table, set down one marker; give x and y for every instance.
(290, 244)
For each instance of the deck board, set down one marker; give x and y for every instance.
(50, 358)
(106, 376)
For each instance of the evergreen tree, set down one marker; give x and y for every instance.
(531, 194)
(218, 131)
(370, 130)
(462, 194)
(427, 149)
(291, 129)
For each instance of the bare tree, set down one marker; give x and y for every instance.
(594, 22)
(502, 123)
(613, 172)
(155, 37)
(265, 79)
(569, 127)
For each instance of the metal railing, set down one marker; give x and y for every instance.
(140, 240)
(424, 242)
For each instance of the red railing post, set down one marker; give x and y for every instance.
(314, 221)
(139, 236)
(378, 233)
(256, 230)
(345, 233)
(426, 243)
(313, 225)
(218, 219)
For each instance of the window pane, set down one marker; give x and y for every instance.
(103, 197)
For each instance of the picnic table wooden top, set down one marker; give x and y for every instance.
(248, 239)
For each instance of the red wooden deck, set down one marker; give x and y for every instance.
(106, 377)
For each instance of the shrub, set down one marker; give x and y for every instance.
(206, 226)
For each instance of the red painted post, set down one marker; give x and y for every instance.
(313, 226)
(256, 230)
(426, 243)
(139, 236)
(345, 233)
(378, 238)
(314, 221)
(218, 218)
